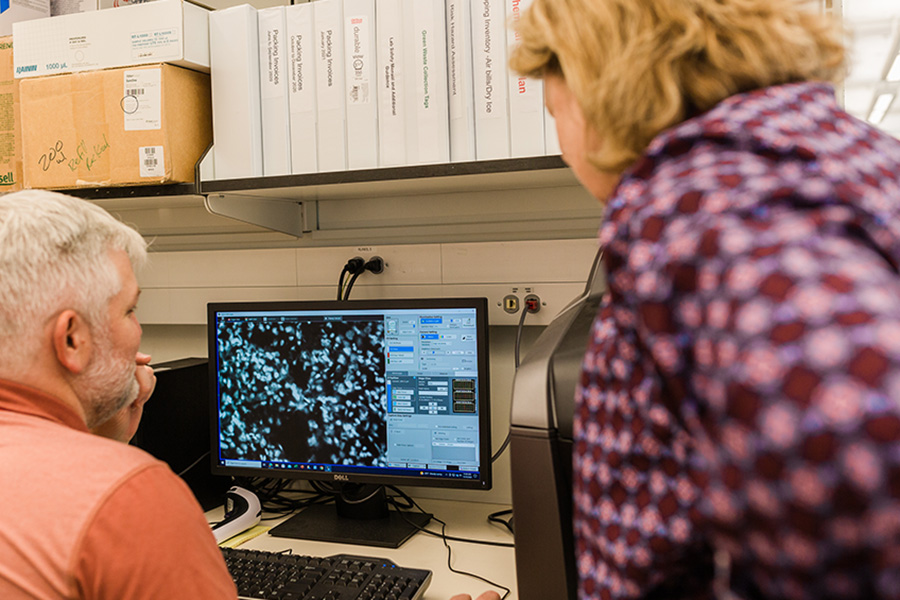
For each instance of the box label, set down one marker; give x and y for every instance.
(152, 160)
(142, 99)
(158, 44)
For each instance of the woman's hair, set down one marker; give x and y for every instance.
(54, 255)
(638, 67)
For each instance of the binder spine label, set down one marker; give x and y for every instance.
(358, 84)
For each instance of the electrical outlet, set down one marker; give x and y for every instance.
(533, 303)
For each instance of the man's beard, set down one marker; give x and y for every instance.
(107, 384)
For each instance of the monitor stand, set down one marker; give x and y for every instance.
(359, 516)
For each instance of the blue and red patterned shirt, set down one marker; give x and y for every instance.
(738, 419)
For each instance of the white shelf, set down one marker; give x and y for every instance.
(502, 200)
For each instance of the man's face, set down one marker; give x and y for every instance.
(108, 383)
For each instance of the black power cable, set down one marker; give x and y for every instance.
(496, 518)
(408, 501)
(193, 464)
(354, 266)
(404, 503)
(526, 308)
(277, 498)
(374, 265)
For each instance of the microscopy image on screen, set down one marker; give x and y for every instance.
(302, 391)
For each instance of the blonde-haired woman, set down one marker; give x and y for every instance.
(736, 430)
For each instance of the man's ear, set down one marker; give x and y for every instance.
(72, 341)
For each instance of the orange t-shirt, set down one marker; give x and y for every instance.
(90, 518)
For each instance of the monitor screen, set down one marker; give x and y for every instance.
(390, 392)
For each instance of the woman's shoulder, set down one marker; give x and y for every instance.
(783, 152)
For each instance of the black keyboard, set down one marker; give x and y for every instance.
(270, 575)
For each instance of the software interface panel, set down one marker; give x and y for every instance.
(388, 391)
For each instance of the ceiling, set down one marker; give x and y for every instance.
(874, 30)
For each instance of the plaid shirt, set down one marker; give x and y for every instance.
(740, 397)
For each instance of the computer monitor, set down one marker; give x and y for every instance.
(361, 394)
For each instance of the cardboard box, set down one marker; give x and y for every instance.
(167, 31)
(130, 126)
(14, 11)
(10, 131)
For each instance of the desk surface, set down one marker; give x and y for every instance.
(464, 519)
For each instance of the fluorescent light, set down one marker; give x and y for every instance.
(880, 108)
(894, 71)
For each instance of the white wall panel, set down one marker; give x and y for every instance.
(407, 264)
(223, 268)
(528, 262)
(178, 285)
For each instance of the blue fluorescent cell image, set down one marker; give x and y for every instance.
(302, 391)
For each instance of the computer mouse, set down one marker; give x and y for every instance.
(242, 511)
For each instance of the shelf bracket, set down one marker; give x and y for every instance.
(285, 216)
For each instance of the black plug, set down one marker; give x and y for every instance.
(375, 265)
(355, 265)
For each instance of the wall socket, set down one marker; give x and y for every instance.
(512, 303)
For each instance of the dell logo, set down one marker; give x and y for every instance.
(339, 477)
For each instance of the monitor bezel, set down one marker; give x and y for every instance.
(485, 479)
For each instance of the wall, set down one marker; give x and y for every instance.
(177, 286)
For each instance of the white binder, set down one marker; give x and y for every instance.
(460, 80)
(551, 140)
(331, 132)
(526, 98)
(361, 95)
(302, 92)
(490, 72)
(428, 116)
(234, 68)
(273, 88)
(391, 81)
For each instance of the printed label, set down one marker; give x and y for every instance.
(142, 100)
(152, 159)
(161, 43)
(360, 67)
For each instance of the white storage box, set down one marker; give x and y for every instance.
(166, 31)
